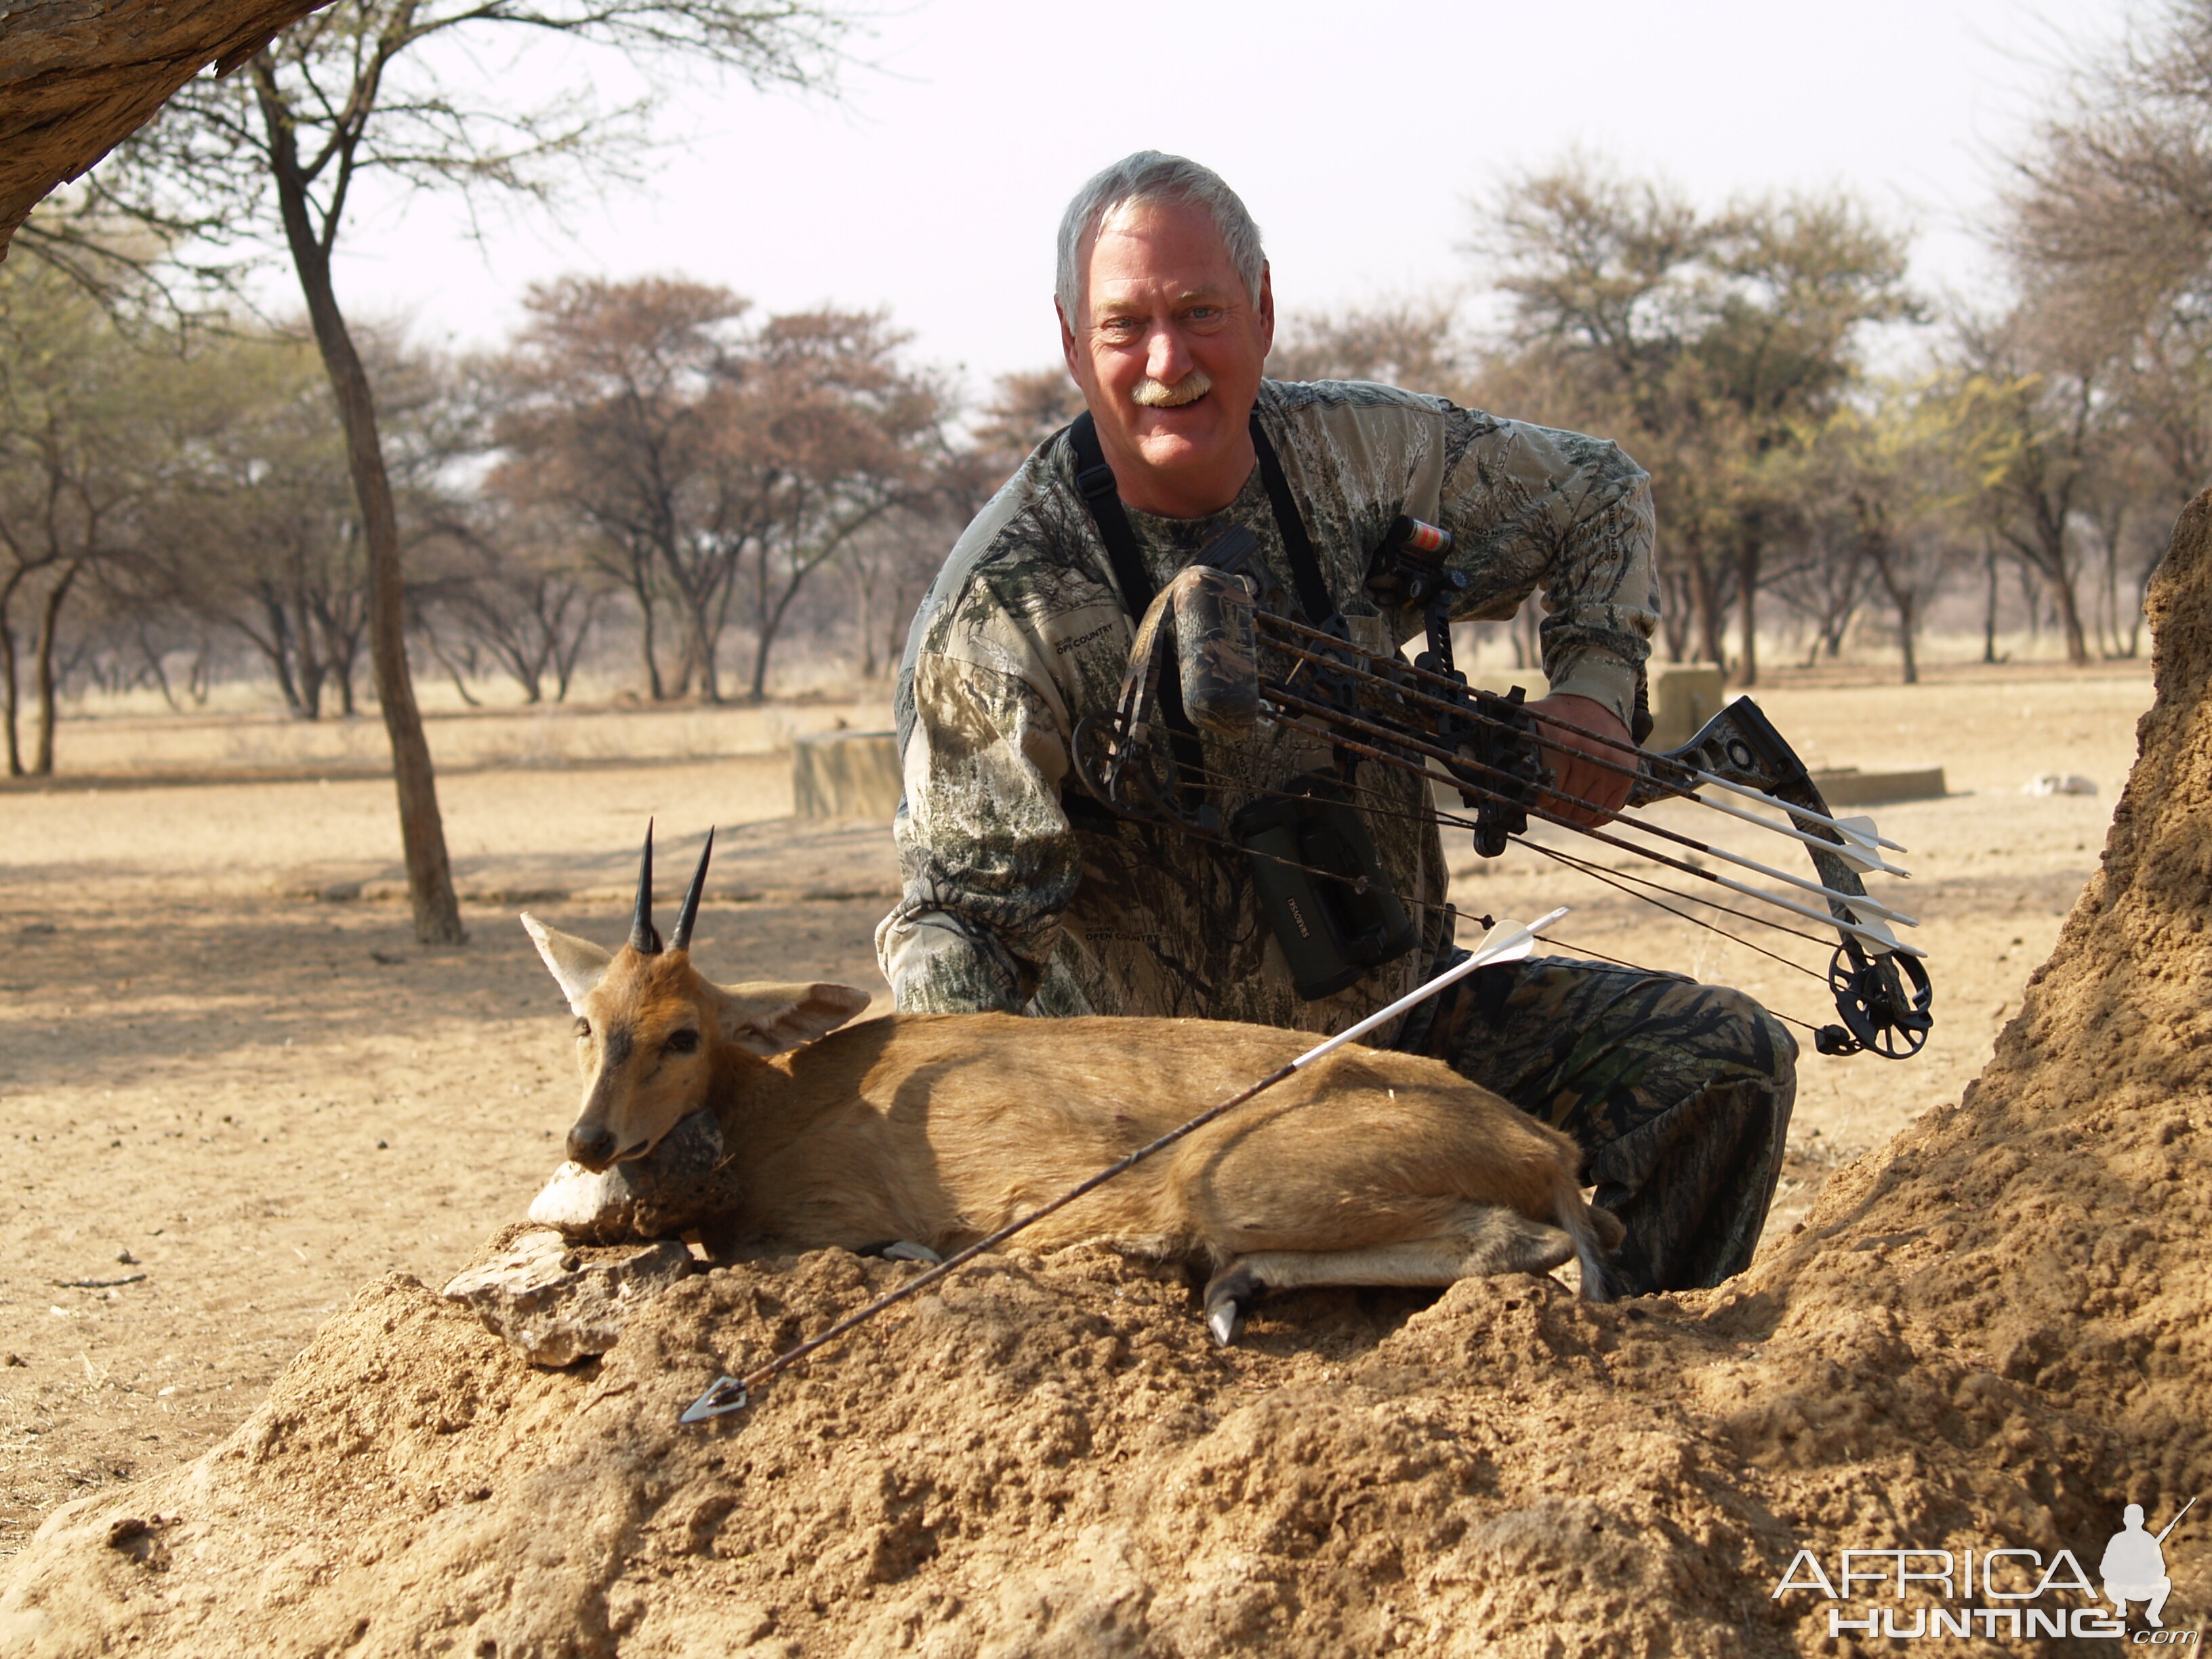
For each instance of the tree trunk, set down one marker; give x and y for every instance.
(1706, 604)
(642, 590)
(702, 651)
(421, 832)
(2068, 610)
(50, 616)
(1883, 554)
(10, 688)
(310, 659)
(1989, 607)
(1749, 551)
(11, 697)
(2031, 600)
(277, 647)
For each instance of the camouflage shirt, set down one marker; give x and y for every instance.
(1023, 895)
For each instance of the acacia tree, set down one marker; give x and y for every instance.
(1599, 274)
(1794, 283)
(1026, 407)
(82, 448)
(1892, 481)
(1411, 343)
(1707, 344)
(274, 155)
(261, 533)
(517, 585)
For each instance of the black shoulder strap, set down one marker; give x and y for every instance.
(1095, 480)
(1305, 568)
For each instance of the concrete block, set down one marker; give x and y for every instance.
(1683, 698)
(845, 774)
(1849, 786)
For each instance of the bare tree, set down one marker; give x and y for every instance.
(613, 409)
(352, 92)
(716, 467)
(1025, 408)
(833, 433)
(2108, 225)
(889, 566)
(2032, 395)
(1414, 344)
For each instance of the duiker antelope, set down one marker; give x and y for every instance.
(1368, 1168)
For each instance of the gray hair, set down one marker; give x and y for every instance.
(1150, 176)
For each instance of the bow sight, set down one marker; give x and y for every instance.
(1241, 660)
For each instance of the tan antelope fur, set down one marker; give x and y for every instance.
(1368, 1168)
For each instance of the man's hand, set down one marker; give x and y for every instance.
(1567, 758)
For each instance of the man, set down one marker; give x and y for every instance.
(1022, 895)
(2134, 1568)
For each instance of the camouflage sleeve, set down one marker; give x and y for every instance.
(988, 857)
(1569, 514)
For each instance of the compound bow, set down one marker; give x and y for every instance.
(1241, 660)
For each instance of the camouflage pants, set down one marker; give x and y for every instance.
(1679, 1094)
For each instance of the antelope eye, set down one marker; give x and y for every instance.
(583, 1028)
(682, 1042)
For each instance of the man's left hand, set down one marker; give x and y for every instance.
(1574, 760)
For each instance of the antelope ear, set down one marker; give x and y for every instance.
(576, 964)
(768, 1019)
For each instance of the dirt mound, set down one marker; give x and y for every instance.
(1992, 1335)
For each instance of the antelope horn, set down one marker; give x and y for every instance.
(681, 939)
(643, 938)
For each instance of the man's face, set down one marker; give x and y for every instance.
(1169, 351)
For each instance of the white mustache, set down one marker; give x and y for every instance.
(1155, 394)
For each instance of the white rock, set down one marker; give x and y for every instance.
(2060, 783)
(556, 1307)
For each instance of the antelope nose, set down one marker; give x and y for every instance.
(593, 1148)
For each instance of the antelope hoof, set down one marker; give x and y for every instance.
(1226, 1299)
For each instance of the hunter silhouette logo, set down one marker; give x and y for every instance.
(2134, 1567)
(2008, 1593)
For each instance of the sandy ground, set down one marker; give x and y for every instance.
(233, 1097)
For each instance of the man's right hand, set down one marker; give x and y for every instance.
(1582, 767)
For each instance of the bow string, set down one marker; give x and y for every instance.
(1223, 629)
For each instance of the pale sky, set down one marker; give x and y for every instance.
(1356, 136)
